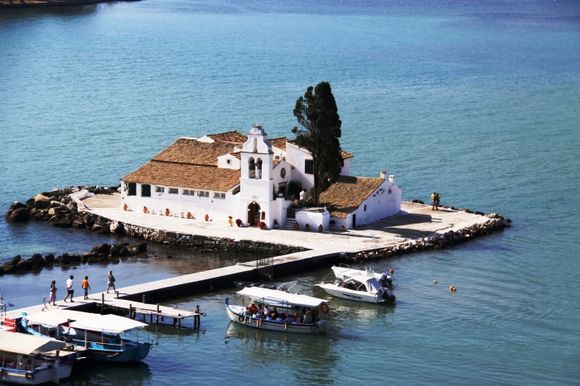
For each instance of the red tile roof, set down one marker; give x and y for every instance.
(190, 151)
(229, 137)
(280, 143)
(348, 193)
(185, 176)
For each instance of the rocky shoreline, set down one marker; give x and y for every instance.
(59, 209)
(101, 253)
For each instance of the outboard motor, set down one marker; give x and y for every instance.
(388, 296)
(386, 280)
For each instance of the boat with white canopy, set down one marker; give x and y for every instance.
(358, 285)
(33, 360)
(109, 338)
(277, 310)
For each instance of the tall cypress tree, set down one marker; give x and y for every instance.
(318, 131)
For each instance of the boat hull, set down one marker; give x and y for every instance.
(132, 352)
(37, 376)
(237, 314)
(344, 293)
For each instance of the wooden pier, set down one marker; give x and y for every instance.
(142, 301)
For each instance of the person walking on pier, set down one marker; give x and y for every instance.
(52, 293)
(86, 286)
(70, 289)
(197, 318)
(111, 282)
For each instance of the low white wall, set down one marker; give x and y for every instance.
(314, 218)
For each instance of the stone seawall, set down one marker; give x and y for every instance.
(495, 223)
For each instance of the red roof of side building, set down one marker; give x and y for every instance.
(348, 193)
(229, 137)
(190, 151)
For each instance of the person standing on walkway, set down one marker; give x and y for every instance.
(86, 286)
(52, 293)
(111, 282)
(197, 318)
(70, 289)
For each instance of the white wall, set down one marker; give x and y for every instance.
(385, 202)
(313, 217)
(277, 178)
(234, 163)
(179, 205)
(345, 171)
(296, 157)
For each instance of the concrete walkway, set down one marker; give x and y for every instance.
(415, 221)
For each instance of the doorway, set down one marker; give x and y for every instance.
(253, 214)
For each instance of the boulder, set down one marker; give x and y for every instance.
(37, 260)
(142, 248)
(7, 267)
(41, 201)
(117, 228)
(65, 259)
(16, 205)
(124, 251)
(49, 258)
(101, 249)
(24, 265)
(18, 215)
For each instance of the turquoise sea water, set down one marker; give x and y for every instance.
(477, 100)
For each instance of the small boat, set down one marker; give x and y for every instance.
(107, 338)
(358, 285)
(32, 360)
(277, 310)
(342, 272)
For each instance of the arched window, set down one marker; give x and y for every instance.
(251, 168)
(259, 168)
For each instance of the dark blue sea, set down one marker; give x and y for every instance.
(478, 100)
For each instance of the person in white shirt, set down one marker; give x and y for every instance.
(69, 289)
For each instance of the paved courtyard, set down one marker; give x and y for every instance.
(414, 222)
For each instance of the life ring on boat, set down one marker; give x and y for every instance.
(167, 212)
(324, 308)
(189, 215)
(145, 210)
(125, 207)
(241, 318)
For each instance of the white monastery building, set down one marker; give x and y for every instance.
(253, 181)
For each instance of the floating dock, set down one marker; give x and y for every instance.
(142, 301)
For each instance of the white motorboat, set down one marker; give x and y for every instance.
(276, 310)
(343, 272)
(358, 285)
(33, 360)
(107, 338)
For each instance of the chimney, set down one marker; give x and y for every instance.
(383, 174)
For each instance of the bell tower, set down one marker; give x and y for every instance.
(256, 184)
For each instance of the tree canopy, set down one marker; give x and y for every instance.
(318, 131)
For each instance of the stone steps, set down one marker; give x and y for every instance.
(289, 224)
